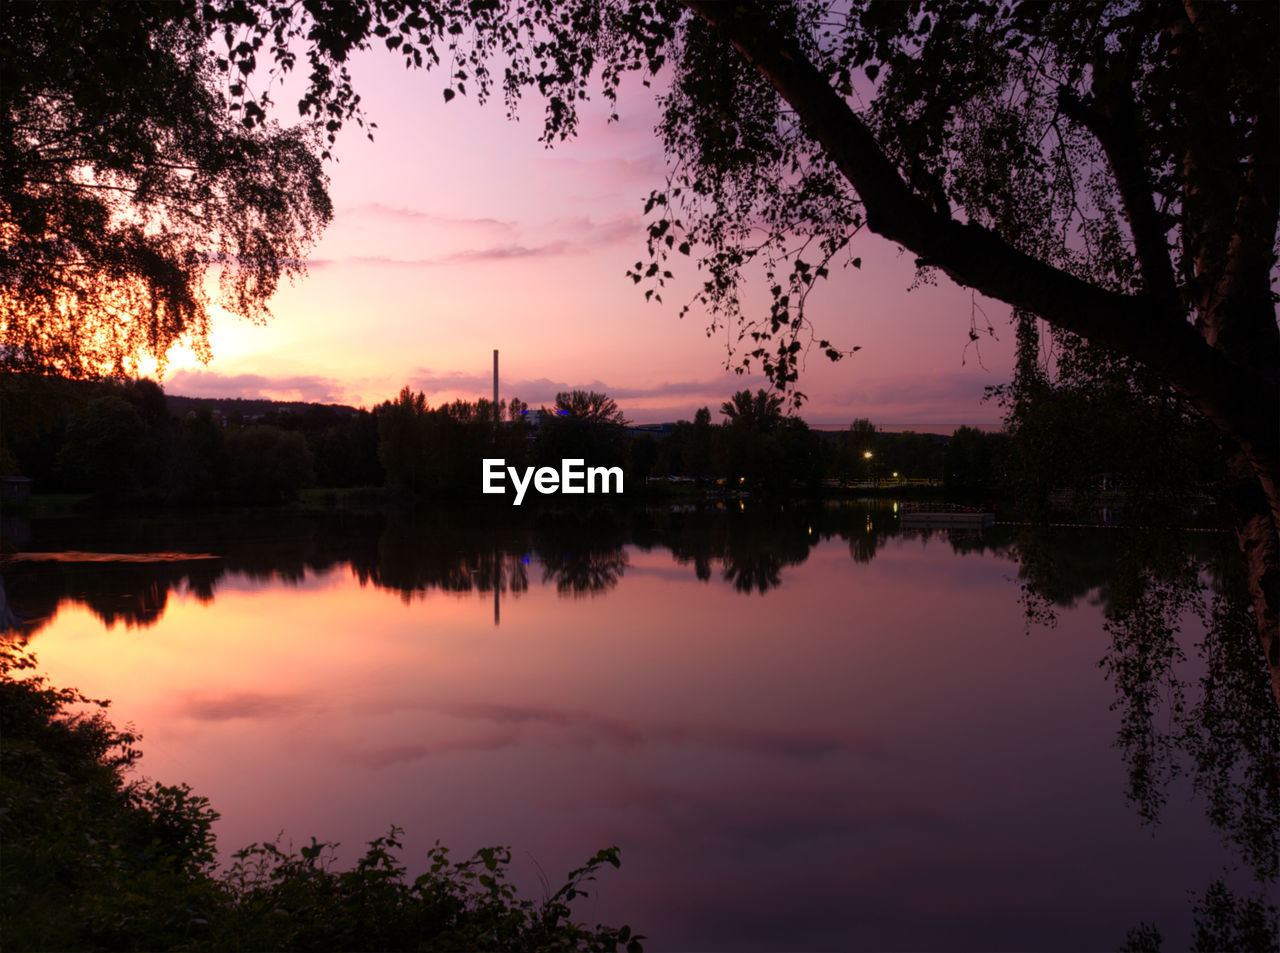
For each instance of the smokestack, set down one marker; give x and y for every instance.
(497, 414)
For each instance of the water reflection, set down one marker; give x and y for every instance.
(457, 552)
(826, 756)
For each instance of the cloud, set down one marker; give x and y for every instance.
(588, 730)
(239, 705)
(911, 389)
(467, 256)
(612, 172)
(939, 401)
(453, 241)
(404, 754)
(388, 213)
(505, 252)
(304, 387)
(782, 811)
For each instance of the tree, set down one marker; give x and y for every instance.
(107, 449)
(403, 447)
(975, 460)
(698, 460)
(583, 424)
(127, 180)
(910, 454)
(268, 465)
(1090, 422)
(589, 406)
(1112, 168)
(758, 413)
(199, 465)
(761, 446)
(861, 443)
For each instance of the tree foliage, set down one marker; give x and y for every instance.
(1083, 420)
(590, 406)
(975, 460)
(128, 184)
(760, 412)
(268, 465)
(107, 448)
(439, 451)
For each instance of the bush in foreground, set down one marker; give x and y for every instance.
(94, 860)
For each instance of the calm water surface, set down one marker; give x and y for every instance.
(805, 728)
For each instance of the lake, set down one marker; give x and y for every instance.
(805, 726)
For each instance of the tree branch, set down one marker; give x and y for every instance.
(1239, 399)
(1111, 117)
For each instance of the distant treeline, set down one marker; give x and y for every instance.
(126, 441)
(251, 408)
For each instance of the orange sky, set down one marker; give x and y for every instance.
(457, 232)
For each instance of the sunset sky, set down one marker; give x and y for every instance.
(457, 232)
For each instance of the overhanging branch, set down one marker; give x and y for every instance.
(1237, 398)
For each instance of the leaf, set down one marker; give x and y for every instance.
(448, 94)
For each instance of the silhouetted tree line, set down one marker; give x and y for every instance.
(759, 447)
(121, 441)
(1064, 444)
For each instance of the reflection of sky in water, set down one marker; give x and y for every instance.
(870, 755)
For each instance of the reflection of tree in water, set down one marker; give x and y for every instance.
(132, 594)
(756, 570)
(866, 536)
(1233, 735)
(1217, 722)
(259, 545)
(695, 536)
(415, 555)
(758, 547)
(582, 557)
(1227, 739)
(583, 572)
